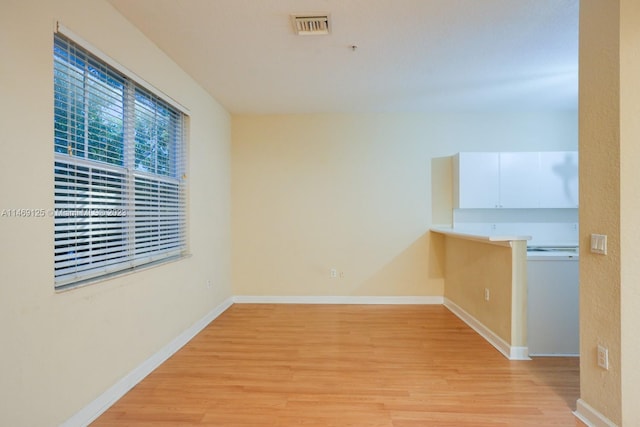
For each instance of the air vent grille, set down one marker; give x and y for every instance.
(310, 25)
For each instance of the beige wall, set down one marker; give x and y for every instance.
(519, 294)
(354, 192)
(60, 351)
(610, 172)
(629, 208)
(600, 203)
(472, 266)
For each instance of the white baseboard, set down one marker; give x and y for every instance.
(590, 416)
(94, 409)
(250, 299)
(554, 355)
(519, 353)
(511, 353)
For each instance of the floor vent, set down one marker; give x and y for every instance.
(310, 25)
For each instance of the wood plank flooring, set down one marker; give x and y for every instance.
(347, 365)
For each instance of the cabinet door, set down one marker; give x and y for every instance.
(559, 179)
(519, 183)
(477, 180)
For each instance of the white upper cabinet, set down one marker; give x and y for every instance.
(515, 180)
(476, 180)
(559, 179)
(519, 185)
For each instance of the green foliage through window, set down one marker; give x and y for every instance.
(119, 188)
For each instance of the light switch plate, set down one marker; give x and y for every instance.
(599, 244)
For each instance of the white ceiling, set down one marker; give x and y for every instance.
(412, 55)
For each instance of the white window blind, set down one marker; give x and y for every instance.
(119, 170)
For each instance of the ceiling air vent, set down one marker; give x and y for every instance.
(310, 25)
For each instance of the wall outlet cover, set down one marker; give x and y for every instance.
(603, 357)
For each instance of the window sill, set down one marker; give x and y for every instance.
(118, 274)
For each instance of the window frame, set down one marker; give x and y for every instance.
(113, 208)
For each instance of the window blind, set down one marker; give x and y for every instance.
(119, 170)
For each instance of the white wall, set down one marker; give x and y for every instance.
(359, 193)
(59, 351)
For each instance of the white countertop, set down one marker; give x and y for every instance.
(471, 234)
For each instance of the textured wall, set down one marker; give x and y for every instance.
(600, 203)
(629, 208)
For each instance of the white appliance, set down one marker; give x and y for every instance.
(553, 302)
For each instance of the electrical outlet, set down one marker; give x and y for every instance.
(342, 274)
(603, 357)
(487, 294)
(209, 284)
(333, 273)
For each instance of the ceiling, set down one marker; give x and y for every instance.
(411, 55)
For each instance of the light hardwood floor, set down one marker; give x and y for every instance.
(347, 365)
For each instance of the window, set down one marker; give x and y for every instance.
(119, 170)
